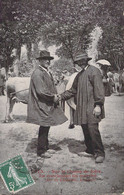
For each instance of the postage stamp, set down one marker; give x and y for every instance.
(15, 174)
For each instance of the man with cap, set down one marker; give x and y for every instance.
(89, 91)
(103, 66)
(42, 109)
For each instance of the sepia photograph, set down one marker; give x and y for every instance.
(62, 97)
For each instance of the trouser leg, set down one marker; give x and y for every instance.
(71, 125)
(87, 139)
(63, 105)
(97, 144)
(71, 116)
(42, 140)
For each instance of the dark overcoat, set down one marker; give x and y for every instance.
(89, 91)
(41, 108)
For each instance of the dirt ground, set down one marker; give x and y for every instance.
(65, 172)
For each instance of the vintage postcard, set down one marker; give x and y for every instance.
(61, 97)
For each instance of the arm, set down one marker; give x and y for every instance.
(98, 88)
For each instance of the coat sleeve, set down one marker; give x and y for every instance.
(98, 88)
(41, 88)
(72, 91)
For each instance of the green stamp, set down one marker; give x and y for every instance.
(15, 174)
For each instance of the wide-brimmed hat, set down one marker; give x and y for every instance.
(81, 57)
(44, 55)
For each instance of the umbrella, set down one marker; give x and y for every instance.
(104, 62)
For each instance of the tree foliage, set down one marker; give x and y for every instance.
(66, 24)
(61, 65)
(19, 23)
(69, 26)
(112, 43)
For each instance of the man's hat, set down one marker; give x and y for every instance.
(81, 57)
(45, 55)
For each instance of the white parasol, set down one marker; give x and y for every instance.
(103, 62)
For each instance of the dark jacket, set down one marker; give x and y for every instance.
(41, 108)
(89, 91)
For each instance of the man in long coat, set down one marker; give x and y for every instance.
(42, 109)
(89, 91)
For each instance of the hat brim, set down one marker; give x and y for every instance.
(45, 58)
(82, 59)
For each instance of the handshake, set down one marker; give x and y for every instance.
(57, 98)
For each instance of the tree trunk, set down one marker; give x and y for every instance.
(16, 67)
(18, 51)
(35, 49)
(17, 60)
(35, 53)
(29, 51)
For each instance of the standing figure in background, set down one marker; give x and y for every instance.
(71, 101)
(42, 107)
(103, 66)
(121, 81)
(116, 81)
(60, 89)
(61, 86)
(111, 81)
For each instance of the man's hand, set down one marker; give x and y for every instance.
(57, 98)
(97, 111)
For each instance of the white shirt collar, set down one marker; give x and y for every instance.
(86, 67)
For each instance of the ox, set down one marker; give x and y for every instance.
(17, 89)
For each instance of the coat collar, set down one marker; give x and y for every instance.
(86, 67)
(44, 69)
